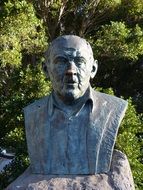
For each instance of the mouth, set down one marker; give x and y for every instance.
(71, 84)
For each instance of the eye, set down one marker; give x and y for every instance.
(79, 60)
(60, 60)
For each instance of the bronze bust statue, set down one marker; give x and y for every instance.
(73, 130)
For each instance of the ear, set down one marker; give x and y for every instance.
(94, 69)
(45, 69)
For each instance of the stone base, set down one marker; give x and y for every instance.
(118, 178)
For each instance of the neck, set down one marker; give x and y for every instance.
(71, 106)
(71, 101)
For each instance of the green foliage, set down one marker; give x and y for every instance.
(105, 90)
(21, 32)
(131, 11)
(109, 4)
(21, 35)
(117, 41)
(21, 86)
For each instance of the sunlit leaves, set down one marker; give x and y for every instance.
(108, 4)
(119, 41)
(132, 9)
(21, 32)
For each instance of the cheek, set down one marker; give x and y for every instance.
(84, 74)
(59, 70)
(56, 74)
(57, 80)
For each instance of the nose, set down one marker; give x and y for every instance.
(71, 68)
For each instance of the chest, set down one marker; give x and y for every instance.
(68, 142)
(81, 144)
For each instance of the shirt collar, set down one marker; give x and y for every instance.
(90, 99)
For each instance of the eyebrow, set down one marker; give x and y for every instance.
(58, 56)
(80, 58)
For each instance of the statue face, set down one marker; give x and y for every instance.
(70, 68)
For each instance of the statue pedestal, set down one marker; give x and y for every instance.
(118, 178)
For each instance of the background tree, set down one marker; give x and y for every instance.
(22, 41)
(114, 29)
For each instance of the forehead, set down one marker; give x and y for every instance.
(70, 46)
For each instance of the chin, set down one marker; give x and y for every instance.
(71, 95)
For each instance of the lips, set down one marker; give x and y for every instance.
(70, 84)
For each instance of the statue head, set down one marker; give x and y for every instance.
(70, 66)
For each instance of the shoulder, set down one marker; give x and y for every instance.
(36, 104)
(110, 100)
